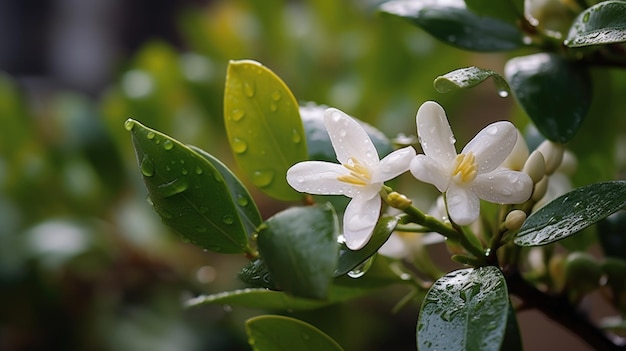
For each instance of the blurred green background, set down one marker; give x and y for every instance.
(85, 263)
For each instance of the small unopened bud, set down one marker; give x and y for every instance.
(553, 155)
(569, 163)
(535, 166)
(516, 159)
(399, 201)
(515, 219)
(540, 189)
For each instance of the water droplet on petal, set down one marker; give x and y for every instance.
(239, 145)
(168, 144)
(147, 167)
(493, 130)
(262, 178)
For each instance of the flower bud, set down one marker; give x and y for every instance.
(553, 155)
(582, 274)
(535, 166)
(569, 163)
(516, 159)
(515, 219)
(399, 201)
(540, 189)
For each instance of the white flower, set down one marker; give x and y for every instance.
(360, 175)
(473, 174)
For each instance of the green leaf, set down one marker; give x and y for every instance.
(512, 338)
(554, 92)
(572, 212)
(612, 235)
(318, 142)
(263, 126)
(246, 207)
(603, 23)
(468, 78)
(299, 248)
(509, 11)
(280, 300)
(465, 310)
(255, 274)
(349, 259)
(276, 333)
(188, 192)
(453, 23)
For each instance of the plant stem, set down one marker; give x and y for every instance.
(560, 310)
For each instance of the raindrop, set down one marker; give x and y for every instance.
(184, 171)
(129, 124)
(276, 96)
(586, 17)
(237, 114)
(262, 178)
(239, 146)
(248, 89)
(168, 144)
(493, 130)
(452, 140)
(228, 219)
(242, 201)
(150, 135)
(173, 187)
(361, 269)
(295, 137)
(273, 107)
(198, 170)
(503, 93)
(147, 167)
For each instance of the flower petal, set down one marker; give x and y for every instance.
(463, 204)
(430, 171)
(503, 186)
(349, 139)
(359, 220)
(435, 133)
(492, 145)
(393, 164)
(318, 177)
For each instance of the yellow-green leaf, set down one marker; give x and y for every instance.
(264, 127)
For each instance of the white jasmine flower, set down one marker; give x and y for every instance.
(475, 173)
(360, 175)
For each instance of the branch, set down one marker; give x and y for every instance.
(561, 311)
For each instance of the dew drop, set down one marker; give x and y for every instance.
(239, 145)
(295, 137)
(503, 93)
(168, 144)
(237, 115)
(173, 187)
(276, 96)
(361, 269)
(129, 124)
(242, 201)
(184, 171)
(150, 135)
(586, 17)
(228, 219)
(147, 167)
(198, 170)
(273, 107)
(248, 89)
(493, 130)
(262, 178)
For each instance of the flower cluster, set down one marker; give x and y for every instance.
(465, 178)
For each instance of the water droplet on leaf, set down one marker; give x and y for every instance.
(147, 167)
(168, 144)
(239, 146)
(262, 178)
(129, 124)
(237, 114)
(248, 89)
(173, 187)
(228, 219)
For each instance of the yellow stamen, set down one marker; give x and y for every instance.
(465, 169)
(359, 174)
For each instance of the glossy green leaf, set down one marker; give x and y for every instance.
(603, 23)
(612, 234)
(263, 126)
(453, 23)
(255, 274)
(465, 310)
(349, 259)
(280, 333)
(509, 11)
(318, 142)
(280, 300)
(554, 92)
(248, 211)
(512, 338)
(299, 247)
(572, 212)
(469, 77)
(188, 192)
